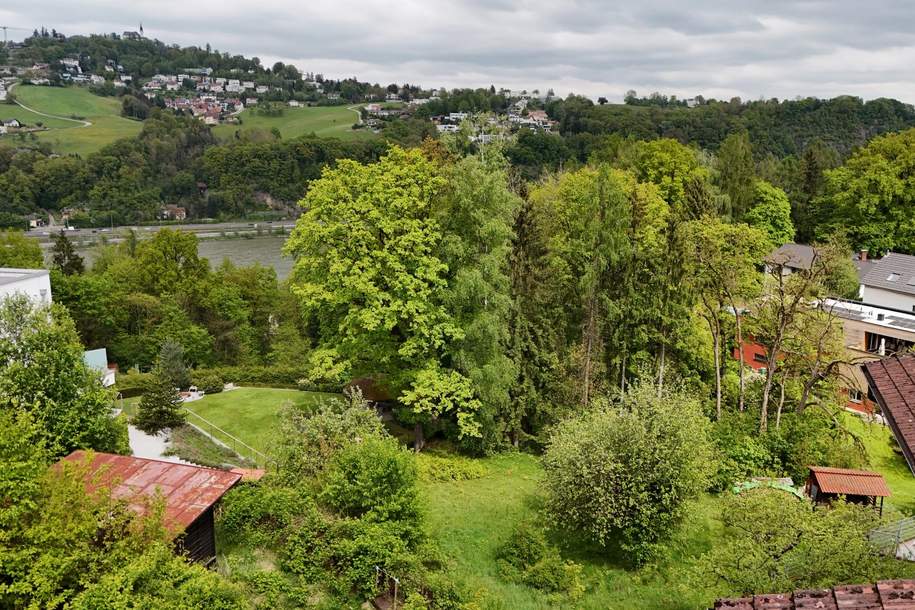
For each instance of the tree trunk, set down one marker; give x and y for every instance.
(716, 341)
(661, 358)
(623, 370)
(419, 439)
(740, 394)
(781, 400)
(589, 338)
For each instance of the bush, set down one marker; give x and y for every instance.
(527, 557)
(210, 382)
(262, 514)
(308, 442)
(622, 472)
(269, 376)
(160, 580)
(375, 480)
(448, 468)
(133, 383)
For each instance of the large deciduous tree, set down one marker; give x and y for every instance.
(367, 270)
(724, 258)
(870, 197)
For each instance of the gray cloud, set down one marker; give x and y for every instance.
(716, 48)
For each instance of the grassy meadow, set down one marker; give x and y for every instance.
(70, 136)
(251, 414)
(469, 519)
(325, 121)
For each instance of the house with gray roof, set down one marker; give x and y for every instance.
(890, 282)
(790, 258)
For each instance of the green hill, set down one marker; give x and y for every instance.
(325, 121)
(72, 106)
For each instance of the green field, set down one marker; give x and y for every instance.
(72, 102)
(325, 121)
(251, 414)
(879, 442)
(470, 519)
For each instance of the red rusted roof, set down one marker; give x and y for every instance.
(892, 381)
(885, 595)
(188, 490)
(849, 482)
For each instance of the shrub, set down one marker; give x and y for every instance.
(133, 383)
(277, 376)
(262, 514)
(308, 442)
(208, 381)
(527, 557)
(375, 480)
(160, 580)
(526, 546)
(622, 472)
(448, 468)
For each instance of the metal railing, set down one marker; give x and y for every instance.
(889, 537)
(229, 441)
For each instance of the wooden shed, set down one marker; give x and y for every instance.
(826, 484)
(190, 494)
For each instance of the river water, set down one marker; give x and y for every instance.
(266, 250)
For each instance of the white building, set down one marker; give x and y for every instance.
(890, 282)
(97, 360)
(33, 283)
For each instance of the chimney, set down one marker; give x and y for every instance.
(862, 255)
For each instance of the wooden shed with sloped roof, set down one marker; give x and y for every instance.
(190, 494)
(825, 484)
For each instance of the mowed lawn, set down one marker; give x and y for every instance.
(470, 519)
(252, 414)
(77, 103)
(879, 442)
(325, 121)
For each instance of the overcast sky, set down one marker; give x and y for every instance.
(716, 48)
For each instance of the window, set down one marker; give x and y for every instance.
(892, 277)
(855, 395)
(760, 357)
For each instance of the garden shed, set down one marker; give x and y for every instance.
(190, 493)
(826, 484)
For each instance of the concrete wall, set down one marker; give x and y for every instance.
(887, 298)
(35, 287)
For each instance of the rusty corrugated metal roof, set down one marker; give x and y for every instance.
(188, 490)
(849, 482)
(885, 595)
(892, 381)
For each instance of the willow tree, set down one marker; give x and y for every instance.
(476, 212)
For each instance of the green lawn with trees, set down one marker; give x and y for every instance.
(80, 104)
(324, 121)
(252, 414)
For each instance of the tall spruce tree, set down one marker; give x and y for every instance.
(65, 257)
